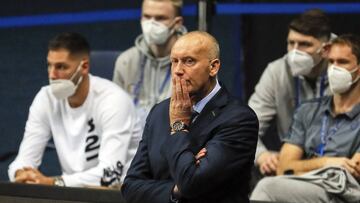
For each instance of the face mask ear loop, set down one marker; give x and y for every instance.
(292, 56)
(79, 81)
(332, 37)
(172, 27)
(320, 48)
(358, 76)
(77, 70)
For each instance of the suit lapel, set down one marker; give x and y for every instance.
(203, 122)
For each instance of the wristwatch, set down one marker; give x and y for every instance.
(178, 126)
(59, 181)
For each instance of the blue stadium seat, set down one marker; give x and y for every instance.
(102, 63)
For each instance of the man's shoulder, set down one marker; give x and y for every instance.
(159, 113)
(230, 106)
(133, 53)
(105, 87)
(44, 101)
(276, 74)
(45, 94)
(129, 53)
(278, 65)
(161, 106)
(237, 107)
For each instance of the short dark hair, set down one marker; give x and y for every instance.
(70, 41)
(351, 40)
(313, 22)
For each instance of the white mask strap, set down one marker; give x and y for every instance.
(357, 77)
(76, 71)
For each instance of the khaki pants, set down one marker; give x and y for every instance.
(278, 189)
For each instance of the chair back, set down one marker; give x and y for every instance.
(102, 63)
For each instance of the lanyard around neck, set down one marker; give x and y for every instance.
(323, 134)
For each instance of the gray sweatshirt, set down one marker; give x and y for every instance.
(144, 77)
(275, 97)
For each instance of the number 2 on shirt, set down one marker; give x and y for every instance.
(92, 142)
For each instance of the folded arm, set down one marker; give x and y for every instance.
(263, 102)
(291, 161)
(229, 154)
(36, 136)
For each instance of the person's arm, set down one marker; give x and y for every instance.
(118, 74)
(120, 129)
(262, 101)
(126, 68)
(229, 154)
(356, 157)
(291, 161)
(356, 160)
(36, 136)
(139, 184)
(291, 154)
(267, 161)
(32, 176)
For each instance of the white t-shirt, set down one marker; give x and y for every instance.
(90, 140)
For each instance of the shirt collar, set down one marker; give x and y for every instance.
(354, 111)
(351, 114)
(198, 107)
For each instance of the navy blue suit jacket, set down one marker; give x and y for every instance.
(227, 129)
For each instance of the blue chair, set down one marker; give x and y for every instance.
(102, 63)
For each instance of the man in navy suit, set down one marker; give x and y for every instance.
(202, 158)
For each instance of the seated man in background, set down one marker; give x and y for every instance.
(198, 146)
(144, 69)
(325, 132)
(92, 121)
(290, 80)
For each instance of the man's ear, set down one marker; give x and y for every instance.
(214, 67)
(358, 65)
(325, 50)
(178, 22)
(85, 66)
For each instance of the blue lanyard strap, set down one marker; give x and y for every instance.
(297, 94)
(322, 84)
(323, 134)
(138, 85)
(165, 81)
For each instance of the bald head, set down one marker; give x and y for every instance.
(205, 42)
(195, 59)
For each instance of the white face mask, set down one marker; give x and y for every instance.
(64, 88)
(301, 63)
(340, 79)
(155, 32)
